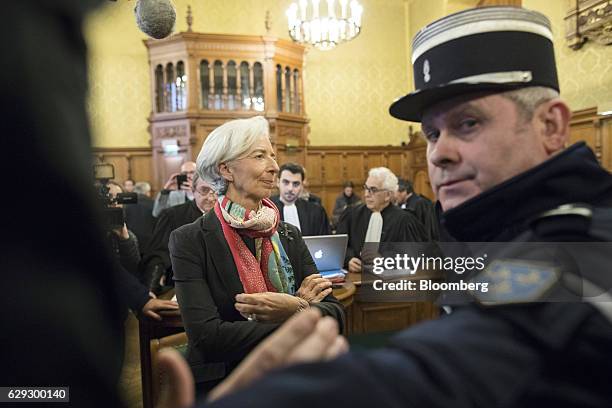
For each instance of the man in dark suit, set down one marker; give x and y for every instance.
(308, 217)
(156, 261)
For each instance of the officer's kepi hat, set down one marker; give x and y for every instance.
(482, 49)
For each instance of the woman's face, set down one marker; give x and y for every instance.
(252, 176)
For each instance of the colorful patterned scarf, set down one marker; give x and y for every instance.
(268, 271)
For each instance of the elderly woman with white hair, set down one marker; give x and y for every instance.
(378, 220)
(240, 271)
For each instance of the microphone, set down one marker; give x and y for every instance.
(155, 18)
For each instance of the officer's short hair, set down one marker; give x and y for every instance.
(528, 99)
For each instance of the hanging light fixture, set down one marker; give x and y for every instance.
(307, 26)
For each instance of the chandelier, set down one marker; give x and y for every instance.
(308, 26)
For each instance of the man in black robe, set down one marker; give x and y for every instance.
(308, 217)
(397, 225)
(156, 261)
(407, 199)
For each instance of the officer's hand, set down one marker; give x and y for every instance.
(354, 265)
(306, 337)
(178, 389)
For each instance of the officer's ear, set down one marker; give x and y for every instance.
(553, 124)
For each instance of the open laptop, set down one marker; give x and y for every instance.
(328, 252)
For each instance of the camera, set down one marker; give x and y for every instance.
(113, 216)
(180, 180)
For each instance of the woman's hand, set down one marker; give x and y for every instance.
(268, 306)
(314, 288)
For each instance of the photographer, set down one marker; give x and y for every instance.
(177, 189)
(125, 251)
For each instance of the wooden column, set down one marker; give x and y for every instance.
(238, 86)
(192, 87)
(251, 84)
(224, 93)
(211, 85)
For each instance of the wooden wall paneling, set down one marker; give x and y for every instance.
(333, 168)
(375, 159)
(168, 165)
(416, 163)
(395, 163)
(584, 131)
(289, 139)
(328, 166)
(293, 155)
(141, 168)
(355, 168)
(422, 185)
(586, 125)
(121, 164)
(379, 317)
(314, 167)
(132, 162)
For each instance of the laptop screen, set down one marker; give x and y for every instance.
(327, 251)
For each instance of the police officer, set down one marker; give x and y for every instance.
(487, 97)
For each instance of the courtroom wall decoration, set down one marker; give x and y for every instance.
(589, 20)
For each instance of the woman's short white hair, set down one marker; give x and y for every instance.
(388, 178)
(228, 142)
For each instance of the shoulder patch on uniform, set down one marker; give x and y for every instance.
(515, 281)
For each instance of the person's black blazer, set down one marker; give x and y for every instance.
(170, 219)
(207, 282)
(313, 218)
(139, 219)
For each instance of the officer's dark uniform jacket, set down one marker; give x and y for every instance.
(521, 355)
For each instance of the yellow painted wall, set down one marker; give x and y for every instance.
(585, 75)
(347, 90)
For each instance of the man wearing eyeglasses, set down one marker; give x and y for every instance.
(156, 260)
(176, 191)
(377, 220)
